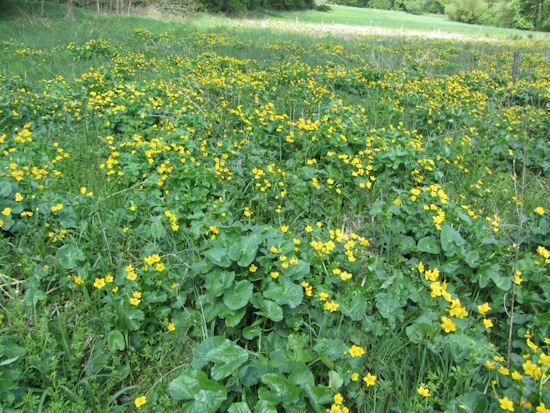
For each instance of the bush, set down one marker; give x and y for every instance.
(380, 4)
(469, 11)
(422, 6)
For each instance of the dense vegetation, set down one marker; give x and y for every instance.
(517, 14)
(209, 219)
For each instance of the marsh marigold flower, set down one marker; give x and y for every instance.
(447, 324)
(140, 401)
(483, 308)
(99, 283)
(332, 306)
(423, 391)
(171, 327)
(506, 404)
(539, 210)
(369, 379)
(356, 351)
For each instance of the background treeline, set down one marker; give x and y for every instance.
(226, 6)
(518, 14)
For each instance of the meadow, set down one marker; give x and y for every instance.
(200, 215)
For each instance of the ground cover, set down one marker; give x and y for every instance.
(232, 218)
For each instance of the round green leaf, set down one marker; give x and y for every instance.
(68, 255)
(238, 295)
(205, 395)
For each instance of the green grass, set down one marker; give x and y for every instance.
(159, 114)
(389, 19)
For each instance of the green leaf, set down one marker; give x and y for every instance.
(218, 256)
(217, 281)
(429, 245)
(389, 307)
(335, 380)
(240, 407)
(449, 237)
(474, 402)
(157, 229)
(472, 259)
(232, 320)
(318, 396)
(376, 208)
(68, 255)
(244, 249)
(238, 295)
(115, 340)
(283, 388)
(271, 310)
(285, 293)
(254, 329)
(5, 188)
(133, 316)
(302, 375)
(227, 358)
(205, 395)
(199, 352)
(264, 406)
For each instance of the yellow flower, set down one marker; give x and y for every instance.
(506, 404)
(18, 197)
(542, 408)
(323, 296)
(448, 324)
(355, 376)
(369, 379)
(545, 359)
(530, 368)
(252, 268)
(132, 208)
(284, 228)
(490, 365)
(140, 401)
(356, 351)
(488, 323)
(109, 278)
(423, 391)
(539, 210)
(134, 301)
(432, 275)
(83, 190)
(6, 212)
(421, 267)
(309, 228)
(115, 290)
(332, 306)
(160, 267)
(136, 294)
(483, 308)
(274, 274)
(171, 327)
(517, 376)
(338, 399)
(77, 280)
(99, 283)
(504, 371)
(131, 276)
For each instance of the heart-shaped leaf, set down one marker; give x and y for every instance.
(205, 395)
(238, 295)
